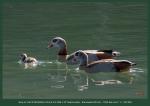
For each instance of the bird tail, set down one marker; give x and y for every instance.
(133, 64)
(115, 53)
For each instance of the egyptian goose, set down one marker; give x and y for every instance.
(60, 43)
(104, 65)
(25, 59)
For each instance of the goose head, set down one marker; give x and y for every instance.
(82, 57)
(57, 42)
(60, 43)
(23, 56)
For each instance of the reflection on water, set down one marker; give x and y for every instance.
(80, 79)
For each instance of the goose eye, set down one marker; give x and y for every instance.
(77, 54)
(55, 40)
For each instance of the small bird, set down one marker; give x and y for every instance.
(104, 65)
(94, 55)
(25, 59)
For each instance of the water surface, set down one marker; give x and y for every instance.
(27, 27)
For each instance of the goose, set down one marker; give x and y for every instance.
(104, 65)
(59, 42)
(27, 60)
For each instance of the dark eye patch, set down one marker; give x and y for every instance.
(55, 40)
(77, 54)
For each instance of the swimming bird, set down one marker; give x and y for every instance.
(25, 59)
(104, 65)
(93, 55)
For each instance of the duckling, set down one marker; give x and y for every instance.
(94, 55)
(25, 59)
(104, 65)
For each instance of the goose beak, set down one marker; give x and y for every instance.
(49, 46)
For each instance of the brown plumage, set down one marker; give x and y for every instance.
(60, 43)
(104, 65)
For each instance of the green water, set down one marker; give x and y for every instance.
(28, 26)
